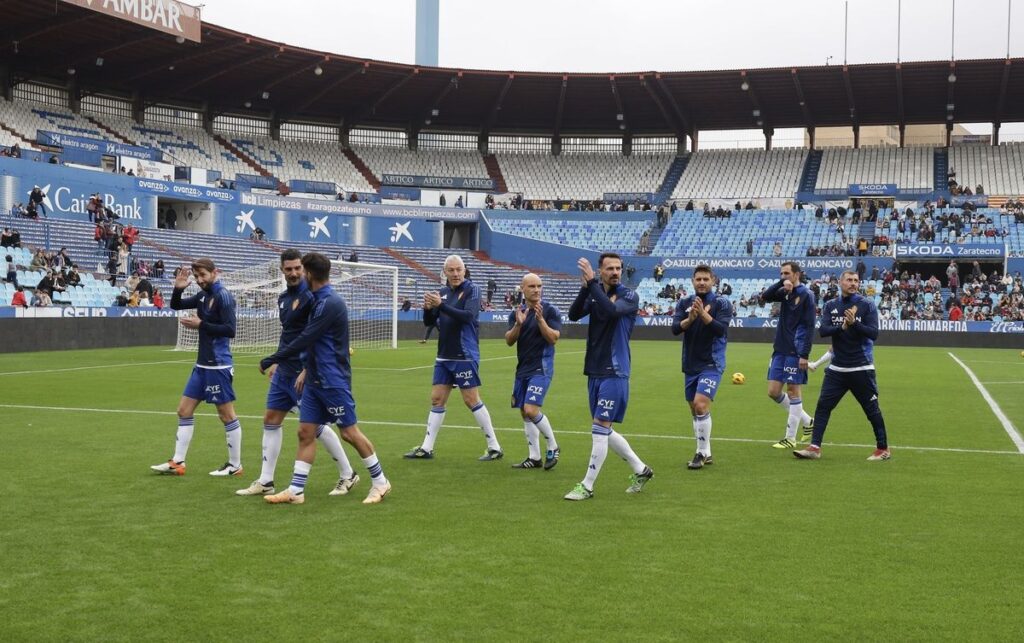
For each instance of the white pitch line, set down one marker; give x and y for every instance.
(1016, 382)
(87, 368)
(431, 365)
(1005, 421)
(519, 430)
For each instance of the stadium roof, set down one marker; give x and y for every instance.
(43, 40)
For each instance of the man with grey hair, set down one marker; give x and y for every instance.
(455, 309)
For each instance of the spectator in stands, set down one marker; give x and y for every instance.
(122, 299)
(41, 299)
(73, 278)
(18, 299)
(725, 288)
(12, 271)
(171, 217)
(659, 272)
(441, 201)
(158, 269)
(645, 240)
(158, 299)
(37, 197)
(5, 238)
(130, 235)
(492, 287)
(353, 257)
(38, 260)
(861, 269)
(31, 211)
(777, 249)
(750, 247)
(122, 259)
(862, 247)
(258, 234)
(458, 202)
(15, 151)
(406, 305)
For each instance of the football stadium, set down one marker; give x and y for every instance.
(553, 348)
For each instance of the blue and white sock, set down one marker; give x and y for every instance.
(434, 421)
(271, 451)
(483, 418)
(376, 471)
(233, 434)
(299, 477)
(332, 443)
(784, 401)
(598, 453)
(544, 425)
(183, 438)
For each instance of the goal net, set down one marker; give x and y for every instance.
(370, 292)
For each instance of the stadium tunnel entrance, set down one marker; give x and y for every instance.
(460, 235)
(192, 216)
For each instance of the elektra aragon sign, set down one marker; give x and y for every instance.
(169, 16)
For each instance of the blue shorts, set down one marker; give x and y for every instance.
(464, 374)
(212, 385)
(327, 406)
(609, 397)
(282, 395)
(786, 368)
(706, 383)
(530, 390)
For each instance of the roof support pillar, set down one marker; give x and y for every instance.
(810, 137)
(856, 137)
(903, 135)
(694, 139)
(995, 133)
(769, 132)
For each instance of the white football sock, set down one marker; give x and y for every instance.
(272, 439)
(621, 447)
(598, 452)
(545, 428)
(434, 421)
(783, 401)
(483, 418)
(233, 434)
(702, 424)
(332, 443)
(796, 414)
(532, 439)
(183, 438)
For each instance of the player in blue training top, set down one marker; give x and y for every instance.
(612, 308)
(703, 320)
(286, 381)
(534, 327)
(214, 371)
(851, 320)
(793, 339)
(455, 309)
(327, 392)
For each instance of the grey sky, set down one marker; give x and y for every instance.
(636, 35)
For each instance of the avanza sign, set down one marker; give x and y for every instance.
(169, 16)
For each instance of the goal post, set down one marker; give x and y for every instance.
(370, 292)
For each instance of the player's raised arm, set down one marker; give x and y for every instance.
(323, 316)
(181, 282)
(228, 323)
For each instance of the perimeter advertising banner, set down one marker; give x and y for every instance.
(169, 16)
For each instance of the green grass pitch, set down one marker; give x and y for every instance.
(759, 546)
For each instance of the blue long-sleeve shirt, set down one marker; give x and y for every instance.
(795, 333)
(853, 348)
(611, 324)
(215, 308)
(704, 344)
(457, 320)
(293, 308)
(536, 355)
(325, 341)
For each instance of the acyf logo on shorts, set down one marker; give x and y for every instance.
(336, 411)
(464, 375)
(539, 390)
(707, 381)
(213, 389)
(606, 404)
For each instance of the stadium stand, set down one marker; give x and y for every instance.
(741, 174)
(910, 167)
(996, 168)
(458, 163)
(582, 176)
(306, 160)
(607, 235)
(690, 233)
(27, 118)
(184, 146)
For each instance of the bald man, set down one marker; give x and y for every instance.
(455, 309)
(534, 327)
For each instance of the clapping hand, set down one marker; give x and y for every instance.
(183, 278)
(431, 300)
(850, 317)
(520, 315)
(586, 271)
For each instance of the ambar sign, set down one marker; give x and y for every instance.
(168, 16)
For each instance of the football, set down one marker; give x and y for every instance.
(738, 378)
